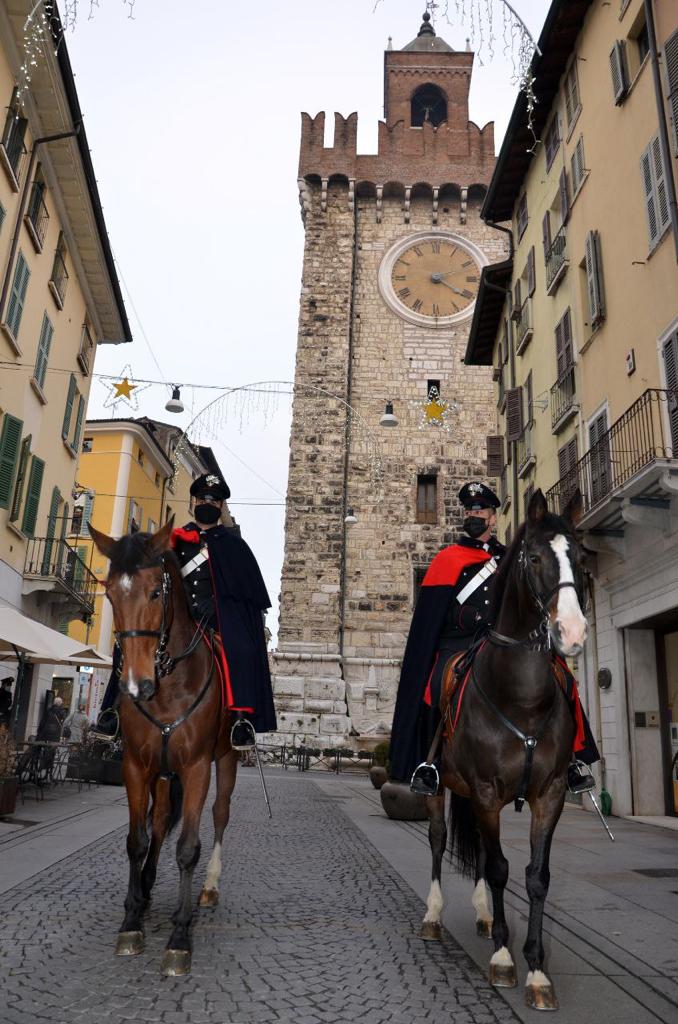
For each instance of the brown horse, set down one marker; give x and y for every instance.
(513, 738)
(173, 727)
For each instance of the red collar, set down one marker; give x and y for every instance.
(189, 536)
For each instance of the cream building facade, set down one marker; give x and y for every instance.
(581, 325)
(59, 300)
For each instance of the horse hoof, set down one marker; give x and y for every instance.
(431, 931)
(540, 997)
(208, 898)
(176, 962)
(503, 975)
(129, 943)
(484, 929)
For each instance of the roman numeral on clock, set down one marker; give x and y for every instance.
(436, 309)
(402, 277)
(435, 246)
(416, 306)
(467, 264)
(419, 252)
(403, 292)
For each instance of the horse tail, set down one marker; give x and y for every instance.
(176, 795)
(464, 836)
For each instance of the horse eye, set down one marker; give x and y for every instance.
(535, 559)
(155, 594)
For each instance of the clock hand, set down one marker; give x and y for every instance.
(452, 288)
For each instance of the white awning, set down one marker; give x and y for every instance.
(39, 643)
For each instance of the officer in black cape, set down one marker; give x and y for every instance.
(453, 608)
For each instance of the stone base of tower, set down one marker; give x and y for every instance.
(310, 696)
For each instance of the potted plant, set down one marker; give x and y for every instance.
(9, 781)
(379, 769)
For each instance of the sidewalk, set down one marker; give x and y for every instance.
(611, 919)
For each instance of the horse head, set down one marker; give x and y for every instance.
(138, 587)
(552, 560)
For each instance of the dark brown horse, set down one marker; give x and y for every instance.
(173, 727)
(514, 737)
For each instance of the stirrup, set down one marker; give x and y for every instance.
(425, 780)
(579, 778)
(243, 736)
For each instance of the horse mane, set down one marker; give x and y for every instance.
(131, 553)
(504, 572)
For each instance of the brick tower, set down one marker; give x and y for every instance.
(394, 247)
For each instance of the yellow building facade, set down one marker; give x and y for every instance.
(581, 325)
(59, 300)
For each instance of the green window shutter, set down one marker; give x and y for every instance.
(33, 496)
(66, 428)
(44, 342)
(78, 424)
(51, 532)
(18, 295)
(88, 508)
(20, 479)
(9, 452)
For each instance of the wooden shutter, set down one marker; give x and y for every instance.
(567, 339)
(671, 366)
(75, 444)
(561, 359)
(564, 196)
(530, 399)
(47, 567)
(514, 414)
(663, 215)
(599, 455)
(495, 455)
(517, 298)
(619, 71)
(509, 450)
(427, 499)
(531, 276)
(66, 428)
(18, 295)
(10, 440)
(33, 496)
(546, 233)
(20, 479)
(654, 186)
(671, 73)
(577, 164)
(46, 332)
(594, 278)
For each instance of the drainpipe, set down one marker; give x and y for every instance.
(22, 207)
(664, 146)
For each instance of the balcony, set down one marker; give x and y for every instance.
(563, 404)
(556, 262)
(525, 456)
(58, 282)
(523, 328)
(504, 495)
(36, 218)
(629, 475)
(86, 353)
(53, 565)
(12, 148)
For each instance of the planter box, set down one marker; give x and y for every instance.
(111, 773)
(9, 787)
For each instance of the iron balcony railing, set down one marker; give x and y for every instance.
(53, 559)
(504, 496)
(523, 327)
(37, 217)
(647, 431)
(556, 259)
(524, 451)
(58, 282)
(13, 141)
(86, 349)
(562, 397)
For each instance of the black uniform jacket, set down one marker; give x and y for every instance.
(228, 592)
(439, 621)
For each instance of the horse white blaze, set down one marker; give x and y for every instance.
(213, 873)
(503, 957)
(125, 582)
(434, 902)
(480, 902)
(573, 625)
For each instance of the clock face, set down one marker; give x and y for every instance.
(431, 279)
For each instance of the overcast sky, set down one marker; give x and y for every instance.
(192, 114)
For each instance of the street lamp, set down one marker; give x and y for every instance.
(388, 419)
(174, 404)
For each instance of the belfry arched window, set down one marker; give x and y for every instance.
(428, 104)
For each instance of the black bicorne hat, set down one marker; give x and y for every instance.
(476, 495)
(210, 486)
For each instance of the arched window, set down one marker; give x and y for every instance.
(428, 104)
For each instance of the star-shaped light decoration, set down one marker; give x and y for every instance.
(123, 389)
(434, 411)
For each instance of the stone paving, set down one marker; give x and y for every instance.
(315, 927)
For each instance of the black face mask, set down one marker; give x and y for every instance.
(475, 526)
(207, 515)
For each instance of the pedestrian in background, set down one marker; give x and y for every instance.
(76, 726)
(6, 699)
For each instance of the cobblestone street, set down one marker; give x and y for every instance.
(314, 926)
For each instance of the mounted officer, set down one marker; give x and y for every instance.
(453, 608)
(227, 594)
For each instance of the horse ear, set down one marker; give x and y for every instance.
(103, 542)
(537, 509)
(574, 509)
(160, 541)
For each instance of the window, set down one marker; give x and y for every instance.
(22, 469)
(514, 414)
(670, 353)
(10, 441)
(671, 73)
(594, 279)
(522, 216)
(134, 517)
(44, 342)
(32, 496)
(619, 70)
(37, 217)
(564, 348)
(86, 353)
(428, 105)
(72, 424)
(87, 445)
(13, 147)
(552, 142)
(82, 515)
(529, 399)
(572, 101)
(17, 296)
(599, 454)
(567, 468)
(530, 273)
(59, 277)
(433, 385)
(654, 185)
(152, 525)
(76, 521)
(427, 495)
(140, 457)
(643, 43)
(578, 166)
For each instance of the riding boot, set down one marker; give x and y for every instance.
(579, 778)
(243, 736)
(426, 779)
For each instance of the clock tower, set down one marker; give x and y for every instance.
(394, 248)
